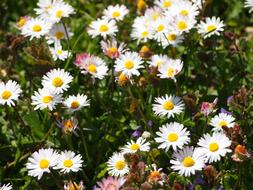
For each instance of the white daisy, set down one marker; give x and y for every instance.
(172, 37)
(36, 27)
(102, 27)
(75, 103)
(199, 3)
(158, 60)
(133, 146)
(170, 68)
(222, 120)
(58, 33)
(68, 161)
(129, 63)
(57, 80)
(43, 8)
(94, 66)
(22, 21)
(165, 4)
(211, 26)
(160, 28)
(9, 92)
(60, 10)
(168, 105)
(142, 30)
(117, 165)
(111, 49)
(41, 162)
(184, 8)
(153, 13)
(249, 4)
(172, 135)
(6, 187)
(184, 24)
(117, 12)
(45, 98)
(58, 53)
(214, 146)
(187, 161)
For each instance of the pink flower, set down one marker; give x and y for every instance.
(80, 59)
(111, 49)
(110, 183)
(207, 107)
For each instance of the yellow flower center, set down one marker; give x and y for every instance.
(103, 28)
(171, 37)
(59, 14)
(59, 35)
(112, 50)
(47, 99)
(184, 12)
(168, 105)
(75, 104)
(92, 68)
(68, 163)
(44, 164)
(74, 187)
(129, 64)
(115, 14)
(188, 161)
(160, 28)
(211, 28)
(159, 63)
(171, 72)
(21, 22)
(213, 147)
(155, 16)
(59, 52)
(167, 4)
(181, 25)
(120, 165)
(144, 34)
(57, 82)
(172, 137)
(6, 94)
(122, 79)
(68, 125)
(135, 147)
(223, 124)
(154, 175)
(37, 28)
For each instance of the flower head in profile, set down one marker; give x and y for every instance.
(117, 165)
(74, 186)
(168, 105)
(68, 125)
(170, 69)
(9, 92)
(103, 28)
(222, 120)
(110, 183)
(156, 175)
(158, 60)
(22, 21)
(116, 12)
(208, 107)
(111, 49)
(249, 4)
(211, 26)
(187, 161)
(42, 161)
(133, 146)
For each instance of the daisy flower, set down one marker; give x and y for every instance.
(41, 162)
(6, 187)
(36, 28)
(117, 165)
(68, 125)
(153, 13)
(211, 26)
(111, 48)
(60, 10)
(58, 33)
(117, 12)
(168, 105)
(172, 135)
(187, 161)
(129, 63)
(156, 175)
(22, 21)
(75, 103)
(170, 69)
(165, 4)
(158, 60)
(172, 37)
(222, 120)
(43, 8)
(142, 31)
(160, 27)
(199, 3)
(133, 146)
(214, 146)
(184, 8)
(74, 186)
(184, 24)
(102, 27)
(9, 92)
(68, 161)
(57, 80)
(249, 4)
(110, 183)
(58, 53)
(91, 64)
(45, 98)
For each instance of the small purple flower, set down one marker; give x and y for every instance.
(150, 123)
(230, 99)
(207, 107)
(222, 110)
(136, 133)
